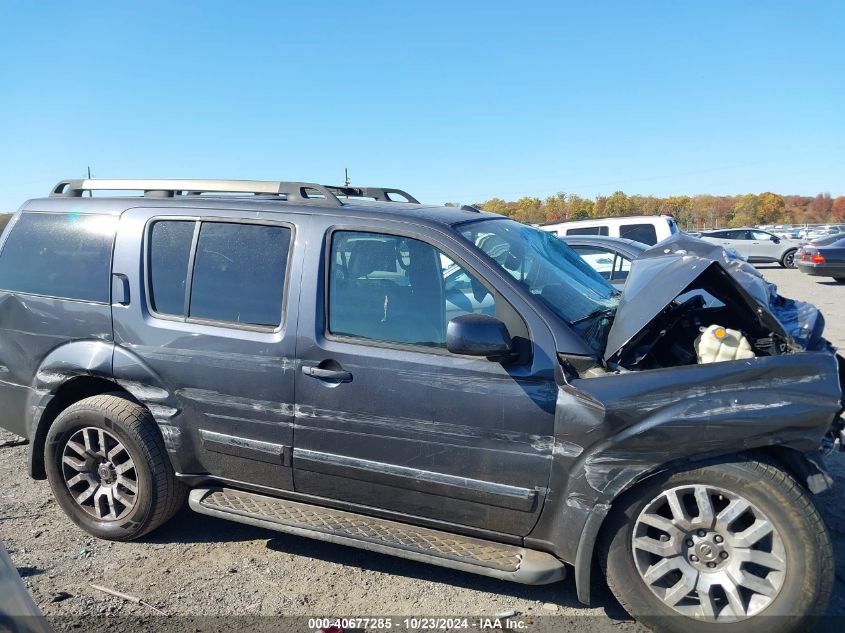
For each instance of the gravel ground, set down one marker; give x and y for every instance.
(200, 566)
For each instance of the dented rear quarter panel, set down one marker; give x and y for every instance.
(611, 431)
(43, 343)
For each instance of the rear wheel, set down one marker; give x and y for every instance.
(719, 549)
(109, 470)
(839, 280)
(788, 260)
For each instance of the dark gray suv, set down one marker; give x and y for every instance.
(439, 383)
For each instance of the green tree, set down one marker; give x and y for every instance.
(771, 208)
(556, 207)
(529, 210)
(580, 208)
(618, 205)
(745, 212)
(495, 205)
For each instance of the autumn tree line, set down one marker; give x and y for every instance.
(691, 212)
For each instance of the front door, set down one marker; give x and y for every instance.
(386, 417)
(203, 340)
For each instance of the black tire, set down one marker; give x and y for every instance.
(159, 494)
(839, 280)
(788, 259)
(807, 581)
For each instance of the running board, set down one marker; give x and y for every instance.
(465, 553)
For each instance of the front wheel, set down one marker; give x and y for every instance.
(720, 548)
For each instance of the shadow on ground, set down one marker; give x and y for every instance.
(188, 527)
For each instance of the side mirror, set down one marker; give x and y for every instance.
(478, 335)
(775, 239)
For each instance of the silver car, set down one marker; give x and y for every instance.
(756, 245)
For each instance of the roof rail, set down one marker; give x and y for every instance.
(298, 192)
(379, 193)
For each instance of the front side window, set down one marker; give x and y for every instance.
(398, 289)
(63, 255)
(238, 273)
(551, 271)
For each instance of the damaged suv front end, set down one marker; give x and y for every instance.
(644, 406)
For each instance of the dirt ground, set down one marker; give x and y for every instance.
(201, 566)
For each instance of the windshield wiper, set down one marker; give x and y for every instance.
(598, 312)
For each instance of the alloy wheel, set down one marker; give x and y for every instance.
(708, 553)
(789, 259)
(100, 474)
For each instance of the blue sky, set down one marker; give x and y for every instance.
(453, 101)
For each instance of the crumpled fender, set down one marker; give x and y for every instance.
(612, 431)
(71, 360)
(104, 360)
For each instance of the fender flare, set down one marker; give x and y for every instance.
(807, 468)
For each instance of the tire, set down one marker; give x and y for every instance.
(788, 259)
(799, 542)
(97, 450)
(839, 280)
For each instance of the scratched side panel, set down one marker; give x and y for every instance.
(427, 434)
(610, 430)
(222, 396)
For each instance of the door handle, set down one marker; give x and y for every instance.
(338, 375)
(120, 289)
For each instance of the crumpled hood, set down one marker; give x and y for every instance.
(667, 269)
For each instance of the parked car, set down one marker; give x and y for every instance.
(648, 229)
(819, 241)
(286, 358)
(824, 259)
(755, 245)
(788, 234)
(610, 257)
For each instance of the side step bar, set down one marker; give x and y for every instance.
(478, 556)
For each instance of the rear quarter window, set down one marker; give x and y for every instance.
(644, 233)
(62, 255)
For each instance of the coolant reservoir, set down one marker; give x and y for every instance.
(717, 343)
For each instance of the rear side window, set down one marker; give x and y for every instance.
(588, 230)
(644, 233)
(239, 271)
(170, 252)
(63, 255)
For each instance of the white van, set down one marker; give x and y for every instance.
(648, 229)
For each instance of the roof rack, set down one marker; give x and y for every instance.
(298, 192)
(379, 193)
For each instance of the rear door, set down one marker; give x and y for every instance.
(738, 240)
(387, 418)
(205, 336)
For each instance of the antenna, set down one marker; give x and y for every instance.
(345, 176)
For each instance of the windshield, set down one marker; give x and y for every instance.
(552, 272)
